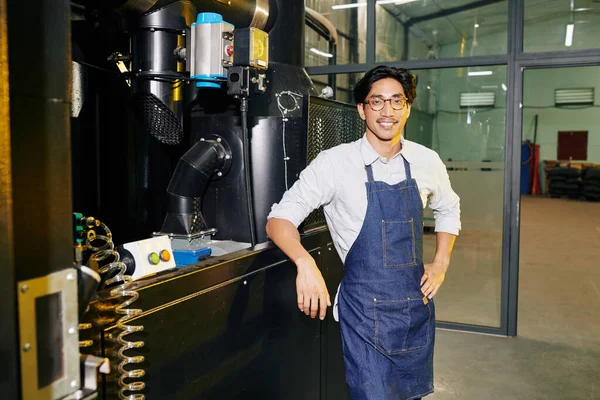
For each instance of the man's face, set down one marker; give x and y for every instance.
(385, 123)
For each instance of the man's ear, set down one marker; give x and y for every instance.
(361, 111)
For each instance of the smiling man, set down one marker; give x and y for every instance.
(373, 192)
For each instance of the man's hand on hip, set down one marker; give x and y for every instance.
(432, 279)
(311, 289)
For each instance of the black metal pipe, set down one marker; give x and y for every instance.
(286, 38)
(317, 26)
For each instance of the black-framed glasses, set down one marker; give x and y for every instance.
(377, 103)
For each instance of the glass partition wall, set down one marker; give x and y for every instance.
(469, 57)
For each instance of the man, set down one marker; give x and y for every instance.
(373, 192)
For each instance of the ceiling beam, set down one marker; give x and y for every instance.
(449, 11)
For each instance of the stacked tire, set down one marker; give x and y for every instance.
(591, 184)
(565, 182)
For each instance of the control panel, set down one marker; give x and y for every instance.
(150, 256)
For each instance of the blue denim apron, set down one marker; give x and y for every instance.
(388, 326)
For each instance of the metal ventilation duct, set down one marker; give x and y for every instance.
(481, 99)
(568, 97)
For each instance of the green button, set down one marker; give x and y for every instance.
(153, 258)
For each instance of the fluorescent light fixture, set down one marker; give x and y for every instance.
(569, 35)
(480, 73)
(477, 99)
(351, 5)
(321, 53)
(583, 96)
(397, 2)
(504, 87)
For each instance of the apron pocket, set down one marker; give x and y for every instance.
(402, 325)
(398, 244)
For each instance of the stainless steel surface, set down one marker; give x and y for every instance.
(261, 14)
(208, 49)
(60, 282)
(92, 366)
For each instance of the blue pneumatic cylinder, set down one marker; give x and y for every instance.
(211, 50)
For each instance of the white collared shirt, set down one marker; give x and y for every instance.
(336, 178)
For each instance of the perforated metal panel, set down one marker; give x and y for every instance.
(330, 123)
(157, 118)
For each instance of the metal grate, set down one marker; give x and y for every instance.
(330, 123)
(158, 120)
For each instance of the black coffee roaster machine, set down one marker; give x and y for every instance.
(182, 123)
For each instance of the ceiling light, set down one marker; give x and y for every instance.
(583, 9)
(504, 87)
(321, 53)
(351, 5)
(476, 25)
(428, 87)
(480, 73)
(569, 35)
(394, 1)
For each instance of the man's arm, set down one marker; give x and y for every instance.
(315, 187)
(435, 273)
(446, 210)
(310, 285)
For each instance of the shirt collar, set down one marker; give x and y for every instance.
(369, 154)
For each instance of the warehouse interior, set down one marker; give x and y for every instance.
(143, 285)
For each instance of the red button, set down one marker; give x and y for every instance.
(229, 50)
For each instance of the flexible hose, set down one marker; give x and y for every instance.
(121, 291)
(247, 169)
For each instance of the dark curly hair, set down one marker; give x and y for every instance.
(402, 75)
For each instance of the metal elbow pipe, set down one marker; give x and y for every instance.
(194, 171)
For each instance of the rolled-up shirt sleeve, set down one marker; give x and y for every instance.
(314, 188)
(444, 202)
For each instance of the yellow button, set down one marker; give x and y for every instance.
(165, 255)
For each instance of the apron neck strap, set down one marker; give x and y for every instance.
(369, 173)
(406, 168)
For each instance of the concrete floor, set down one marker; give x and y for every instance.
(557, 352)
